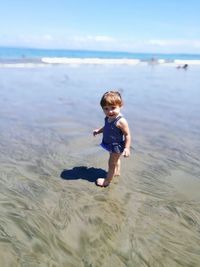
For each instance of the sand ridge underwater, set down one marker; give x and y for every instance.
(52, 214)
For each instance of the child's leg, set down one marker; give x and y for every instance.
(117, 168)
(112, 163)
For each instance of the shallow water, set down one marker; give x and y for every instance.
(52, 214)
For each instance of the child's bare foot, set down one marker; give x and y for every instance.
(102, 182)
(117, 174)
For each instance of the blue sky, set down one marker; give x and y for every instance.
(170, 26)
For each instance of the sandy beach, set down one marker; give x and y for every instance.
(53, 214)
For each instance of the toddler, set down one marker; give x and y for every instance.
(116, 135)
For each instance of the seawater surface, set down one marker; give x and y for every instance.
(53, 214)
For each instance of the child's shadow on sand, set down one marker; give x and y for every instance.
(82, 172)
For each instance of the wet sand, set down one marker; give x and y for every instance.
(53, 214)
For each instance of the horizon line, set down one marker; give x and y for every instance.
(101, 51)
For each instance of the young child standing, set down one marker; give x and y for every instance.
(116, 134)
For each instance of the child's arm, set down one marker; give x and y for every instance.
(123, 125)
(98, 131)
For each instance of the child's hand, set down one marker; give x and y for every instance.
(95, 132)
(126, 152)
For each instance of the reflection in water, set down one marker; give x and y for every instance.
(52, 214)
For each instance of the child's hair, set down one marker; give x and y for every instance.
(111, 98)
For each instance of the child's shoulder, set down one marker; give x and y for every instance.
(121, 121)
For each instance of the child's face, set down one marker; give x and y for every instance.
(112, 111)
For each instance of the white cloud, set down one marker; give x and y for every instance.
(88, 42)
(175, 43)
(175, 46)
(197, 44)
(48, 37)
(72, 42)
(104, 39)
(102, 42)
(90, 38)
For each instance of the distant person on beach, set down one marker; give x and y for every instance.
(185, 66)
(116, 135)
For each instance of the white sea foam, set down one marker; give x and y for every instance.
(161, 61)
(120, 61)
(57, 60)
(189, 62)
(48, 61)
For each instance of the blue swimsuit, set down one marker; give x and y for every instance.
(113, 138)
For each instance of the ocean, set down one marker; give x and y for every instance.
(61, 56)
(52, 213)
